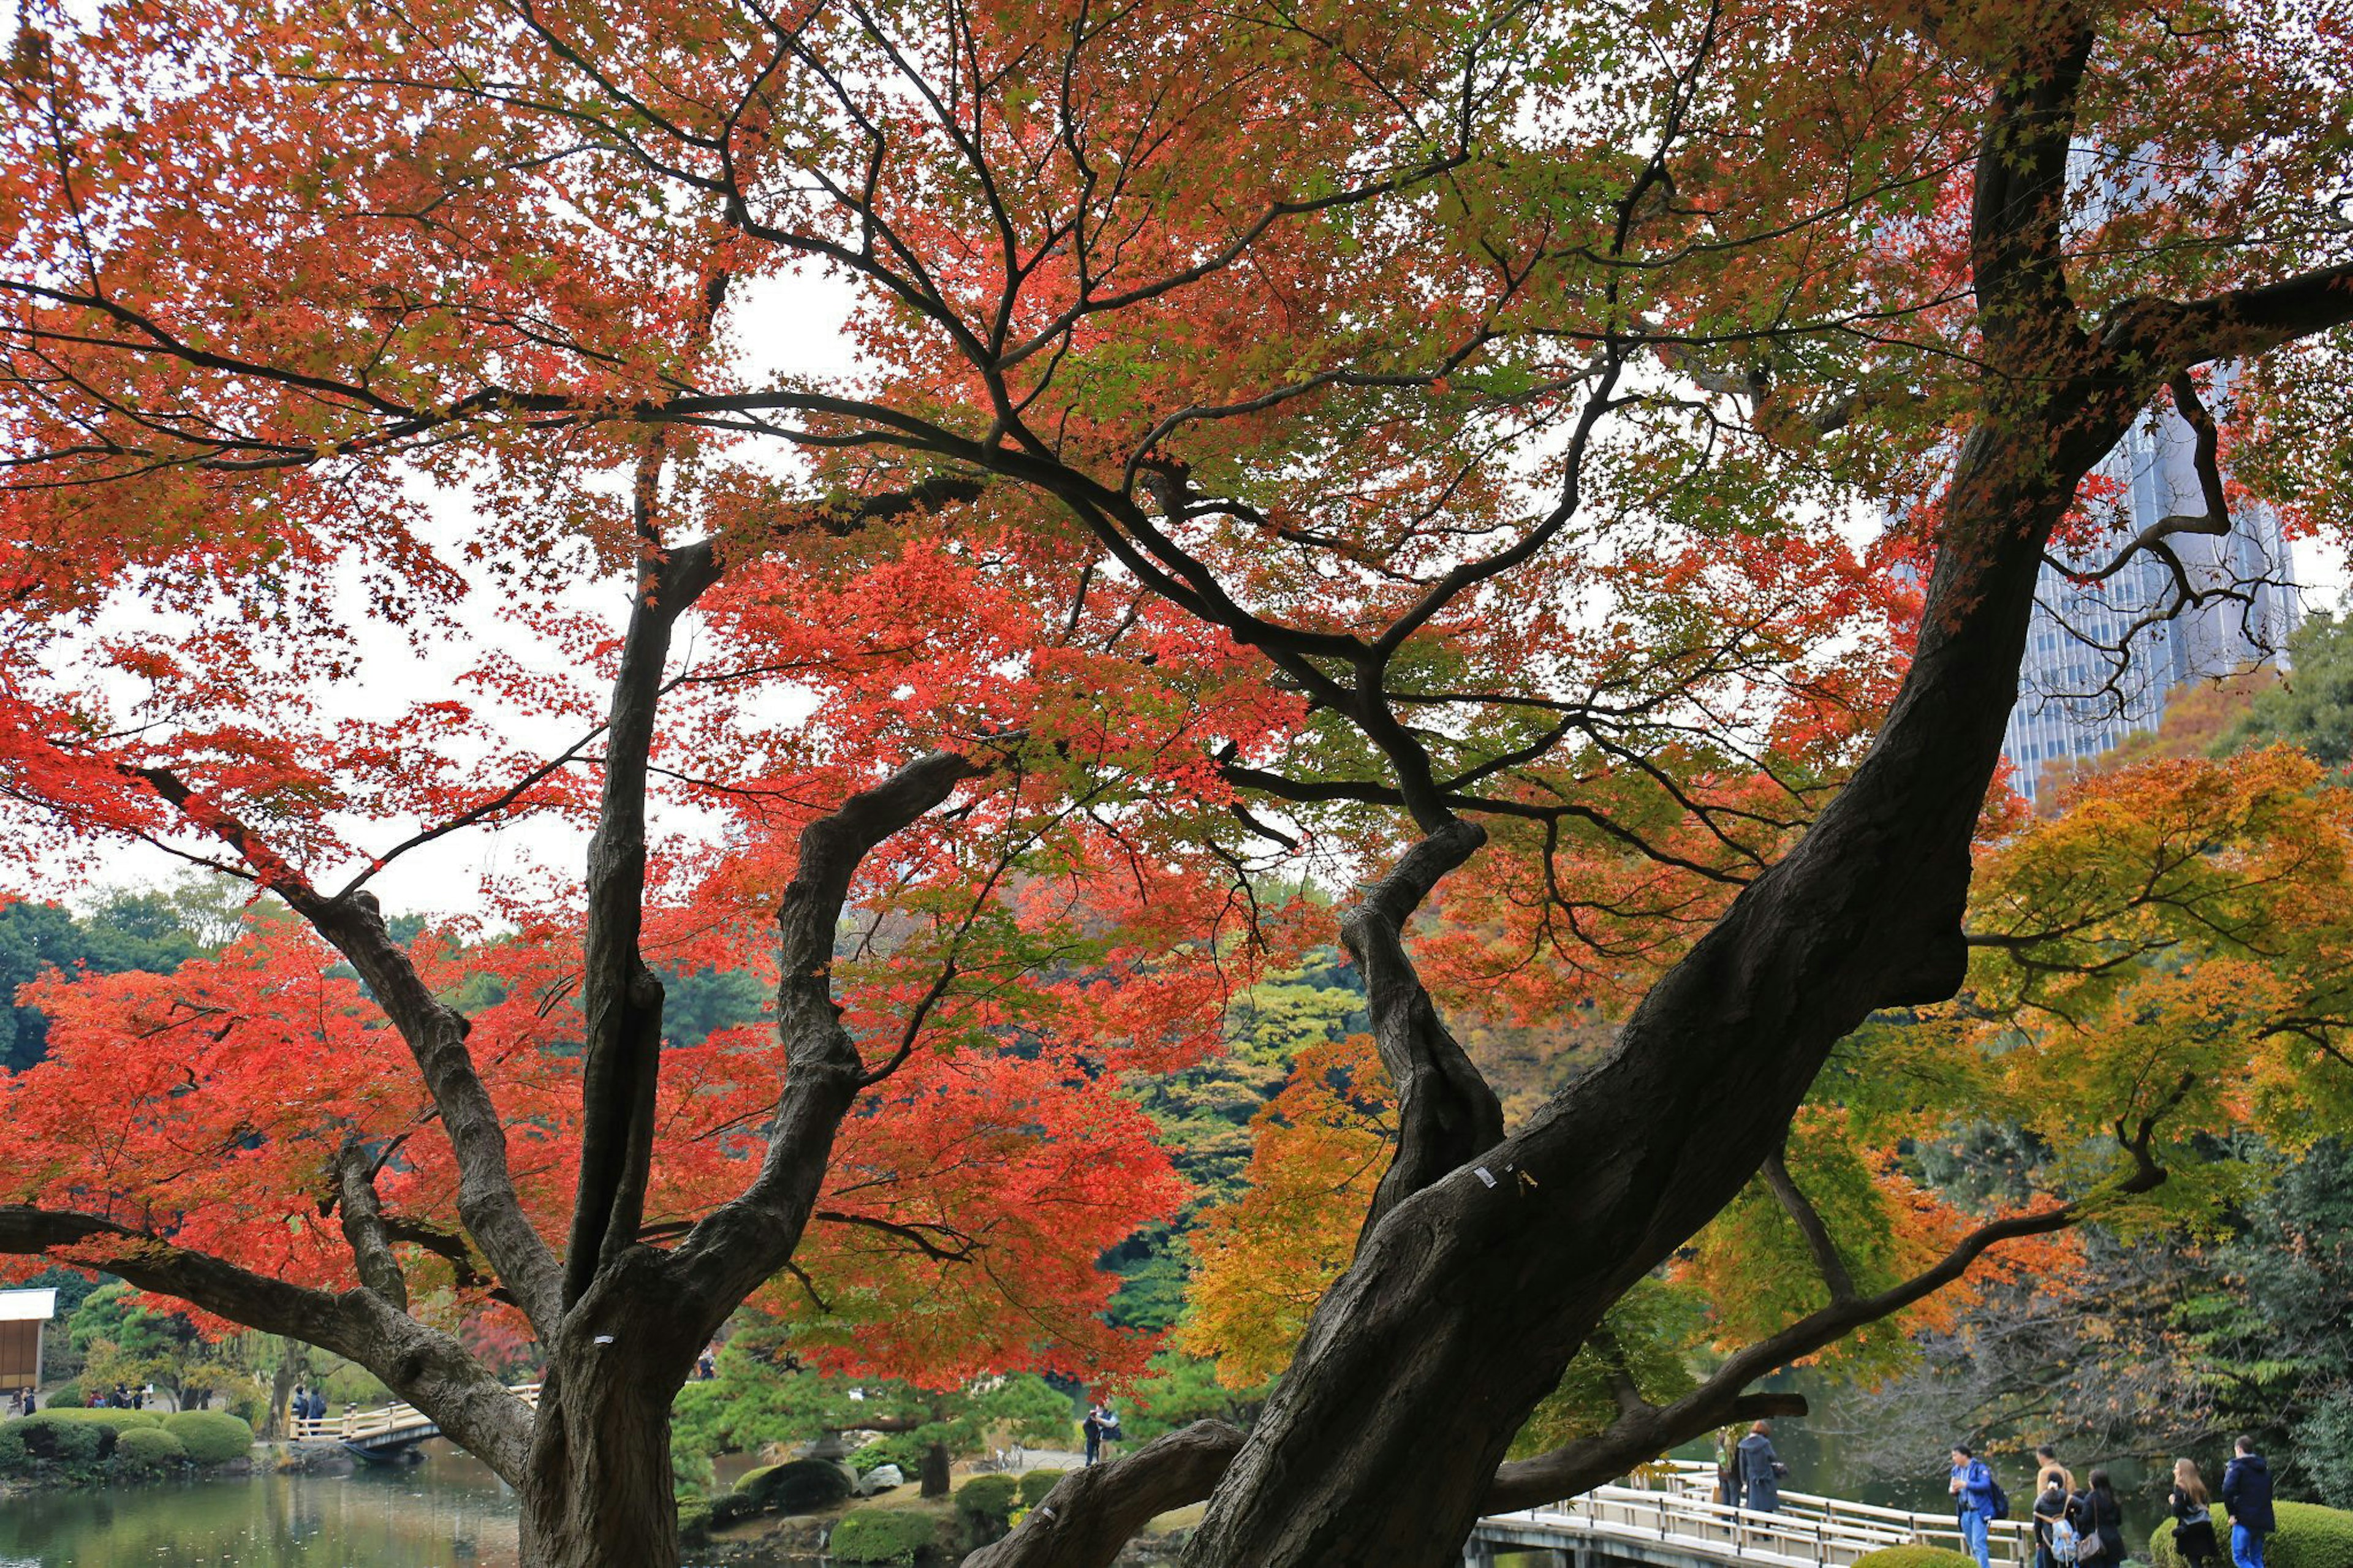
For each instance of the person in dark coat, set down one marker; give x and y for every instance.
(2050, 1508)
(1760, 1469)
(2247, 1494)
(2099, 1515)
(1093, 1428)
(2193, 1520)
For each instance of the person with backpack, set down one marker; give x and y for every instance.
(2193, 1520)
(2051, 1505)
(2099, 1523)
(2247, 1494)
(1974, 1499)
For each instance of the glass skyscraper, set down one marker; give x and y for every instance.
(2094, 673)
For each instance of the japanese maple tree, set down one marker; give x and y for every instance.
(1419, 445)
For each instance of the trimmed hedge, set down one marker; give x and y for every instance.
(148, 1448)
(67, 1395)
(210, 1436)
(63, 1441)
(1914, 1557)
(12, 1450)
(798, 1485)
(2309, 1536)
(115, 1421)
(882, 1535)
(989, 1503)
(1036, 1484)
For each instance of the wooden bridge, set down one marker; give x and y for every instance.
(383, 1429)
(1671, 1520)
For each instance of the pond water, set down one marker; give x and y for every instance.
(448, 1511)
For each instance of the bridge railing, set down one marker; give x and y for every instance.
(2007, 1540)
(378, 1421)
(1679, 1512)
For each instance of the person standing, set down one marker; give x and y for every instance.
(1760, 1469)
(1110, 1432)
(1972, 1490)
(2193, 1520)
(2100, 1518)
(2047, 1465)
(1093, 1428)
(2050, 1508)
(2247, 1494)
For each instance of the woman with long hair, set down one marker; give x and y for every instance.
(2100, 1517)
(2194, 1519)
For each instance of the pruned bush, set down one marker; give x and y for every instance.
(731, 1508)
(882, 1535)
(63, 1441)
(13, 1456)
(117, 1421)
(798, 1485)
(1036, 1484)
(148, 1448)
(987, 1503)
(67, 1395)
(1914, 1557)
(211, 1436)
(2309, 1536)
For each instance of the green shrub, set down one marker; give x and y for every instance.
(13, 1456)
(882, 1535)
(798, 1485)
(115, 1421)
(63, 1441)
(904, 1449)
(1036, 1484)
(211, 1436)
(730, 1508)
(988, 1500)
(1914, 1557)
(2309, 1536)
(148, 1448)
(67, 1395)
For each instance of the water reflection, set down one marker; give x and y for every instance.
(447, 1512)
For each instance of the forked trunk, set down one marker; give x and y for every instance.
(597, 1491)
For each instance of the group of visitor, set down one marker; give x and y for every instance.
(23, 1402)
(307, 1404)
(2073, 1528)
(123, 1398)
(2084, 1528)
(1101, 1426)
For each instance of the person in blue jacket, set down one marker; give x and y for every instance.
(1972, 1491)
(2247, 1494)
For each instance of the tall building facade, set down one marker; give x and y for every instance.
(2094, 672)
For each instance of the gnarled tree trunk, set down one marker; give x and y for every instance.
(596, 1487)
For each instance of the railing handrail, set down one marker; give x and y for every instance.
(1828, 1532)
(382, 1420)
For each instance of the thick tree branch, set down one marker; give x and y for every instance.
(730, 1251)
(363, 1224)
(1092, 1513)
(1446, 1112)
(1809, 1221)
(429, 1369)
(436, 1036)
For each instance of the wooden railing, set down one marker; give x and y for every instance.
(381, 1423)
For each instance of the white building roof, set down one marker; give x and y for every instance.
(27, 1306)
